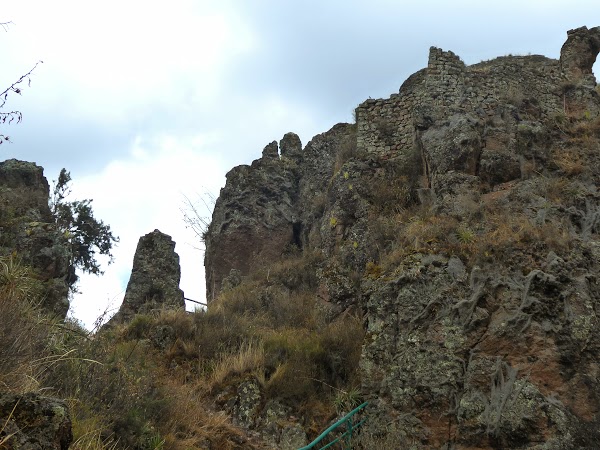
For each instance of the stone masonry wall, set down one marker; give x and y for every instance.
(447, 86)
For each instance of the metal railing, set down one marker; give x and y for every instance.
(346, 436)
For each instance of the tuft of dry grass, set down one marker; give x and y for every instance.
(569, 161)
(250, 357)
(193, 424)
(93, 440)
(25, 332)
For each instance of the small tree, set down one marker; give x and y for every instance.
(87, 236)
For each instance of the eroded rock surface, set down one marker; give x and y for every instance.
(28, 228)
(154, 280)
(33, 422)
(261, 213)
(578, 54)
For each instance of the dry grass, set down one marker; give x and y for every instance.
(24, 331)
(249, 358)
(195, 425)
(587, 126)
(93, 440)
(492, 234)
(17, 282)
(515, 237)
(570, 161)
(346, 150)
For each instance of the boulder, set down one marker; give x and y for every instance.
(34, 422)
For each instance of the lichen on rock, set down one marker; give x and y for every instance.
(34, 422)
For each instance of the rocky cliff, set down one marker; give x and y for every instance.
(28, 230)
(460, 216)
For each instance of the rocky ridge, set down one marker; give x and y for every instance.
(460, 216)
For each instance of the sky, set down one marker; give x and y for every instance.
(146, 102)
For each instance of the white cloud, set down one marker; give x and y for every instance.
(142, 193)
(105, 58)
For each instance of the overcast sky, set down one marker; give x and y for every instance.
(144, 101)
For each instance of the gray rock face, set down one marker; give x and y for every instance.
(292, 437)
(27, 227)
(253, 217)
(453, 145)
(154, 281)
(290, 146)
(579, 52)
(33, 422)
(263, 210)
(247, 405)
(481, 301)
(273, 420)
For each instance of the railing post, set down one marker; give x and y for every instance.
(349, 431)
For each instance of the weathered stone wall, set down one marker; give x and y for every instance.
(447, 86)
(386, 127)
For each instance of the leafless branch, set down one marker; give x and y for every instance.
(5, 25)
(193, 216)
(14, 87)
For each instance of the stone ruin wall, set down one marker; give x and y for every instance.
(387, 127)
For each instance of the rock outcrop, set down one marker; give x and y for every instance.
(578, 54)
(33, 422)
(273, 421)
(461, 216)
(28, 228)
(154, 281)
(261, 212)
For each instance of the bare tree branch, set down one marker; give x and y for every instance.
(5, 25)
(194, 218)
(14, 87)
(6, 118)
